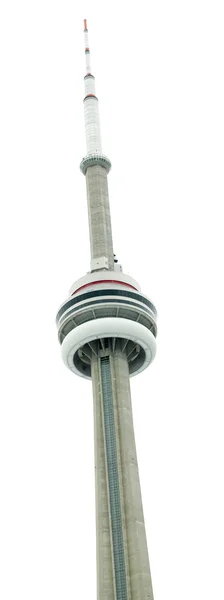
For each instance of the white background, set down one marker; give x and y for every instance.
(159, 78)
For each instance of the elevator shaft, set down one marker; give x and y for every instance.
(113, 480)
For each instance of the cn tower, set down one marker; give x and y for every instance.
(107, 332)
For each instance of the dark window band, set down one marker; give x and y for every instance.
(95, 293)
(112, 300)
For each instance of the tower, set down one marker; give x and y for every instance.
(107, 332)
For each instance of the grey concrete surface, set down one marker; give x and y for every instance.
(138, 577)
(137, 553)
(101, 243)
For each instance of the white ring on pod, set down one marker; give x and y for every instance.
(107, 327)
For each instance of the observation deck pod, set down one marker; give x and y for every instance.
(106, 311)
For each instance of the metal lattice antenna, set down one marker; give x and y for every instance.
(91, 107)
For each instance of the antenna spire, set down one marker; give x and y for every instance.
(91, 109)
(87, 50)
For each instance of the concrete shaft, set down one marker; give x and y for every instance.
(137, 583)
(101, 243)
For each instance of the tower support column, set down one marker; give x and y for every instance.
(138, 560)
(123, 570)
(101, 244)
